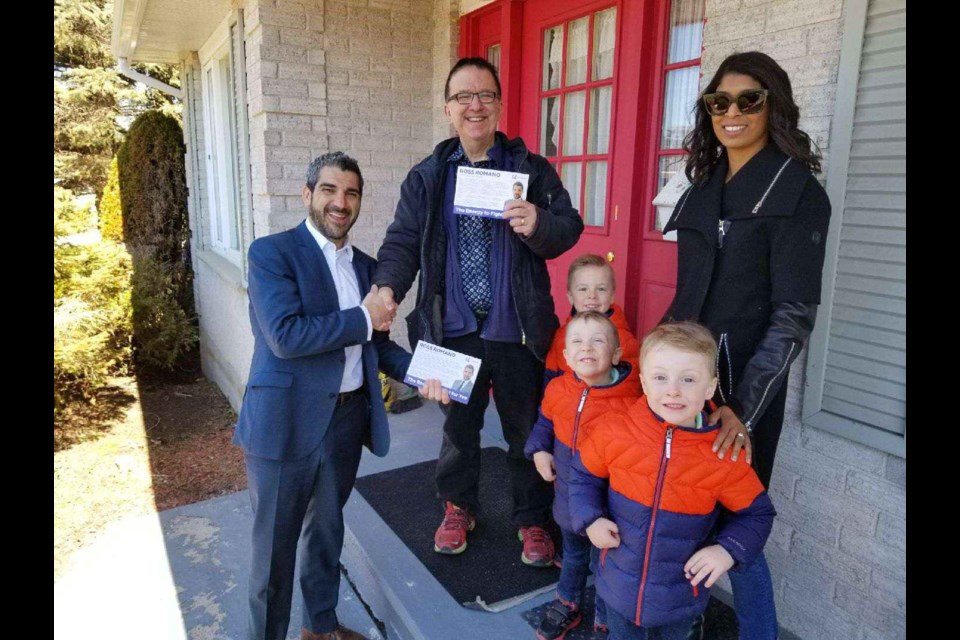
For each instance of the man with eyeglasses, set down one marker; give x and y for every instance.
(484, 290)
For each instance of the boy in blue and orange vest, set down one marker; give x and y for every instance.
(595, 382)
(644, 485)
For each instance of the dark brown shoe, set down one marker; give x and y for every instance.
(340, 633)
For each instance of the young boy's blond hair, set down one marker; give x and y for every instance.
(596, 316)
(589, 260)
(686, 336)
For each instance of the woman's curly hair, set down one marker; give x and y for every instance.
(704, 148)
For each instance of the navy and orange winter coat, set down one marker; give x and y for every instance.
(567, 408)
(661, 484)
(629, 345)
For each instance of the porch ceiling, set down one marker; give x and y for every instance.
(163, 30)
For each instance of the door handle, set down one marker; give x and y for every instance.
(610, 256)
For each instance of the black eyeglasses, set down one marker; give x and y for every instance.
(749, 101)
(466, 97)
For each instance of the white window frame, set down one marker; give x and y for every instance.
(224, 222)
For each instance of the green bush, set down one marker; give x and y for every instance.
(153, 197)
(111, 217)
(162, 329)
(153, 188)
(91, 306)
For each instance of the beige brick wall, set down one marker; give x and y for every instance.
(287, 104)
(838, 546)
(446, 40)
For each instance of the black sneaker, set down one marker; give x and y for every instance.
(559, 618)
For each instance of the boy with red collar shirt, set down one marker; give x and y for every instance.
(596, 382)
(645, 484)
(590, 287)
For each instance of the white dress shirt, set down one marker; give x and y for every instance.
(340, 262)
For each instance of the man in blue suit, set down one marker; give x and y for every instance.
(312, 399)
(465, 384)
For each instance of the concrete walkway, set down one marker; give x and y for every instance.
(183, 573)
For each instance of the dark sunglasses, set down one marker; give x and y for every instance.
(750, 101)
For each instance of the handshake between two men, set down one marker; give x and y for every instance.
(381, 307)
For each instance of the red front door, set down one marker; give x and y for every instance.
(569, 90)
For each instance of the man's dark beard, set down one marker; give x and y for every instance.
(317, 220)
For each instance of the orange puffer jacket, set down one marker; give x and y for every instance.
(568, 407)
(661, 483)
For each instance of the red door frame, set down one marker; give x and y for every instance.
(474, 40)
(650, 260)
(655, 263)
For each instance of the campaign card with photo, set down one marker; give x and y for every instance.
(456, 371)
(483, 192)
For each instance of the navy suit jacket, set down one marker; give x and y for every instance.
(299, 335)
(463, 386)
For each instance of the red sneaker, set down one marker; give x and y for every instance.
(451, 536)
(537, 547)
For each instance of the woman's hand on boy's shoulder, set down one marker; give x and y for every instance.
(732, 433)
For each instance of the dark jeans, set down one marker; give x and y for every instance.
(576, 567)
(766, 436)
(624, 629)
(599, 606)
(752, 586)
(301, 501)
(753, 600)
(516, 377)
(579, 559)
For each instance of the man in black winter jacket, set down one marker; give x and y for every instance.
(484, 290)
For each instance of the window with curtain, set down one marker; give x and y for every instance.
(681, 80)
(576, 100)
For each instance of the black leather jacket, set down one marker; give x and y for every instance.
(750, 257)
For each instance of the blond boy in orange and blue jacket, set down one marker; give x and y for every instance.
(645, 485)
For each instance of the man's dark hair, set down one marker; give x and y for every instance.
(479, 63)
(337, 159)
(518, 184)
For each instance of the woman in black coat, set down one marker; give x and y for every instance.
(750, 241)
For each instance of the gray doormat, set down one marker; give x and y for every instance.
(489, 574)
